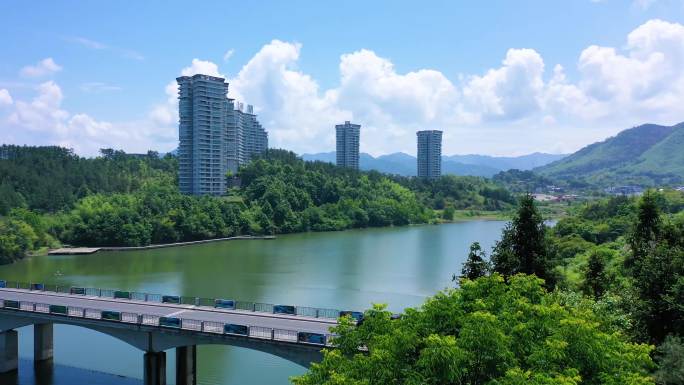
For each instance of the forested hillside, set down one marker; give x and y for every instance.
(127, 200)
(54, 178)
(648, 155)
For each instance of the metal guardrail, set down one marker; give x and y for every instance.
(300, 311)
(246, 331)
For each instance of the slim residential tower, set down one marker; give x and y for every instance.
(347, 149)
(429, 153)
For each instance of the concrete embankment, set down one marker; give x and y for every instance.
(90, 250)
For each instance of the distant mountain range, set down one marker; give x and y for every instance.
(477, 165)
(647, 155)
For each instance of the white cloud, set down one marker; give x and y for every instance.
(646, 81)
(88, 43)
(228, 54)
(96, 45)
(5, 97)
(201, 67)
(519, 106)
(44, 67)
(43, 121)
(98, 87)
(518, 102)
(288, 101)
(509, 92)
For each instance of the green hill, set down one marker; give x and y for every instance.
(647, 155)
(667, 154)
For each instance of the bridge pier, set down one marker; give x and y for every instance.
(42, 342)
(186, 365)
(155, 368)
(9, 351)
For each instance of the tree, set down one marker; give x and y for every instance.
(476, 265)
(646, 230)
(658, 284)
(523, 247)
(656, 267)
(448, 213)
(595, 278)
(488, 331)
(670, 358)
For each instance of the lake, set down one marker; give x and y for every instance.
(347, 270)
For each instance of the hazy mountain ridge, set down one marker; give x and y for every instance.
(477, 165)
(645, 155)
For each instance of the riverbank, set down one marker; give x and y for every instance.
(91, 250)
(459, 216)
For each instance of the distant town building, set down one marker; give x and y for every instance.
(629, 190)
(215, 136)
(347, 136)
(429, 153)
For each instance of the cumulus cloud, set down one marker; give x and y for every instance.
(228, 54)
(646, 80)
(288, 101)
(510, 91)
(615, 88)
(5, 97)
(519, 106)
(43, 121)
(44, 67)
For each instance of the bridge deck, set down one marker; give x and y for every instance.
(190, 312)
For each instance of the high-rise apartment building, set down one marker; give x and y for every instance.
(347, 149)
(246, 136)
(215, 137)
(429, 153)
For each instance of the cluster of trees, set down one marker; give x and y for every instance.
(120, 199)
(278, 195)
(488, 331)
(459, 193)
(48, 179)
(300, 196)
(23, 231)
(628, 252)
(596, 299)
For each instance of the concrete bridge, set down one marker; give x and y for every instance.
(155, 323)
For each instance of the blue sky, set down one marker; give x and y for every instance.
(92, 74)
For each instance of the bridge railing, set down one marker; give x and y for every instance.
(227, 304)
(246, 331)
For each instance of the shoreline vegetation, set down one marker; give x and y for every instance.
(50, 196)
(595, 299)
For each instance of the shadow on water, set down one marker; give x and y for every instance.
(48, 373)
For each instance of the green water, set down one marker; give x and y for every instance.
(340, 270)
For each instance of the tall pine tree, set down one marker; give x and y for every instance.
(476, 265)
(523, 247)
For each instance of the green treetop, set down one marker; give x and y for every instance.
(486, 332)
